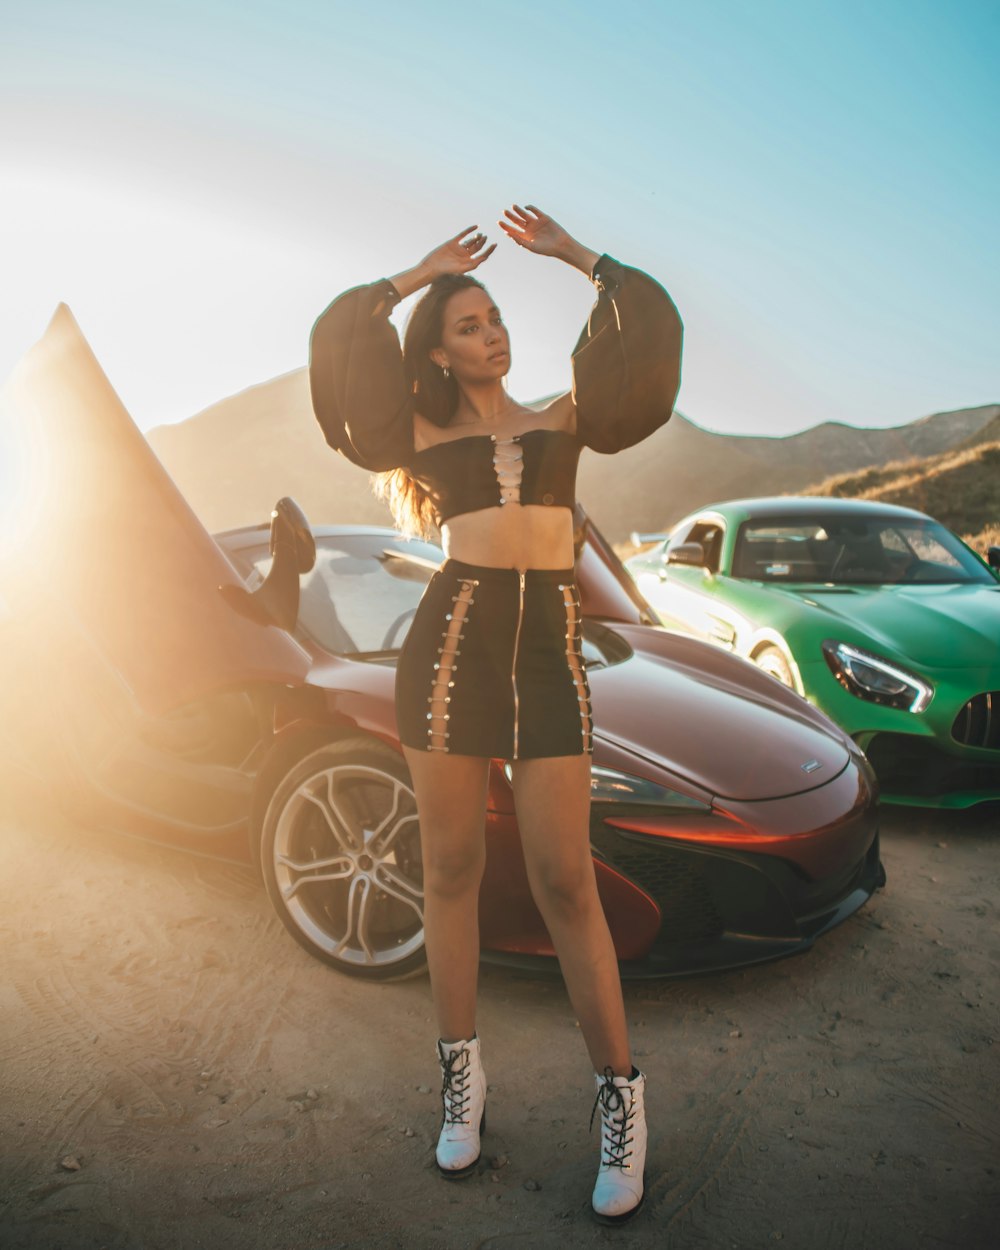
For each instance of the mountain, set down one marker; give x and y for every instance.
(989, 433)
(235, 459)
(960, 488)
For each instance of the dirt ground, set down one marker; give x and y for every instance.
(176, 1073)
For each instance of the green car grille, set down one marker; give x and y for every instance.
(978, 723)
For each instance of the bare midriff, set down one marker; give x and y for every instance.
(517, 536)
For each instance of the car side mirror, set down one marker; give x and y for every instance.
(290, 530)
(686, 553)
(993, 557)
(293, 548)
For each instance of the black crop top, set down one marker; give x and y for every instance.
(483, 471)
(626, 374)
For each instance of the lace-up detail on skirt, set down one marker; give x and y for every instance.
(574, 658)
(445, 668)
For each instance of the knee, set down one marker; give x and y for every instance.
(565, 892)
(453, 871)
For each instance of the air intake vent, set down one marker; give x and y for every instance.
(978, 723)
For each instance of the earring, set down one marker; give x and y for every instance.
(446, 371)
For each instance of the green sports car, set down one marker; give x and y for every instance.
(879, 615)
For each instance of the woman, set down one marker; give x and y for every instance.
(492, 665)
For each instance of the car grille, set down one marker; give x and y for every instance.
(978, 723)
(915, 766)
(671, 877)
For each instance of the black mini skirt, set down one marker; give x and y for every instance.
(493, 665)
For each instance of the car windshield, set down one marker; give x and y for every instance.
(854, 551)
(360, 596)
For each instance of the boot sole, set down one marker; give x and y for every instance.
(457, 1174)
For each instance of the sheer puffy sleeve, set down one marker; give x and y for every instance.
(359, 390)
(627, 360)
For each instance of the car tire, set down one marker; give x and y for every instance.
(340, 855)
(774, 661)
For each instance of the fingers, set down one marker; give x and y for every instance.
(518, 217)
(518, 228)
(472, 247)
(532, 217)
(524, 224)
(521, 225)
(485, 256)
(512, 234)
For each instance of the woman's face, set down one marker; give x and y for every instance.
(475, 344)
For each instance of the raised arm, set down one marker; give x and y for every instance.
(360, 392)
(627, 360)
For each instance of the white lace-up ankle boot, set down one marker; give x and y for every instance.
(618, 1192)
(463, 1094)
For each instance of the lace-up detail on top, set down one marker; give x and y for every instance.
(508, 465)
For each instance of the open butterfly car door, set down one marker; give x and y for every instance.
(139, 674)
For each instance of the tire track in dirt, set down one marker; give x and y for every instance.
(673, 1200)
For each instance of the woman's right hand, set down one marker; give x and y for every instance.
(456, 255)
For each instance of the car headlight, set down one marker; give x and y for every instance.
(870, 677)
(608, 785)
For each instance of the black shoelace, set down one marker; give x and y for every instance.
(614, 1130)
(455, 1076)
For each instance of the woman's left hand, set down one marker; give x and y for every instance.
(531, 228)
(536, 231)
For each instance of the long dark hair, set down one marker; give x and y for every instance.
(436, 398)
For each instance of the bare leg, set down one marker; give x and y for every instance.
(552, 798)
(451, 803)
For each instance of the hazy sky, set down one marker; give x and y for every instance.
(816, 184)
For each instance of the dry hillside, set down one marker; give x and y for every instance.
(961, 489)
(234, 460)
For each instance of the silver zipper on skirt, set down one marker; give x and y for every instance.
(513, 667)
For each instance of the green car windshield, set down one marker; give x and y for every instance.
(852, 551)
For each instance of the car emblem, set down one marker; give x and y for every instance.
(810, 766)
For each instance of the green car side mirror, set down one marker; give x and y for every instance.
(687, 553)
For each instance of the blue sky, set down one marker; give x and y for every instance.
(817, 185)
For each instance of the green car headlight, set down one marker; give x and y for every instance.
(868, 676)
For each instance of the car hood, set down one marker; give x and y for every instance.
(713, 719)
(937, 626)
(108, 534)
